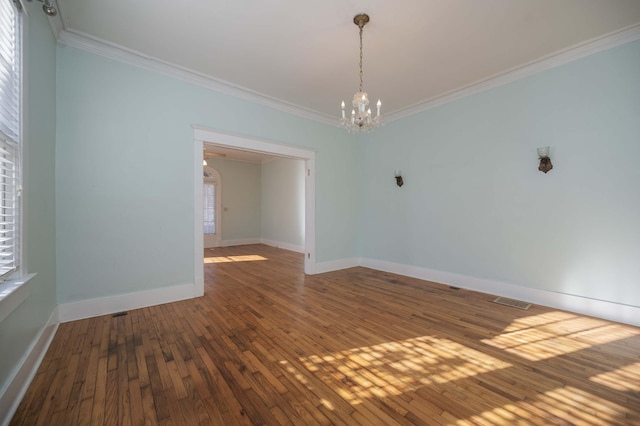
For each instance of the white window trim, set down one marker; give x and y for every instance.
(15, 289)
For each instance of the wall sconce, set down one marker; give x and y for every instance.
(398, 176)
(545, 161)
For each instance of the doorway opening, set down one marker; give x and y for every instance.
(204, 136)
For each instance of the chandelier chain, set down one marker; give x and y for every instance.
(361, 119)
(361, 27)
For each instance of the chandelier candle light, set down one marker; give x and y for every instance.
(361, 119)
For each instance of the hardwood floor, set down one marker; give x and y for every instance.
(269, 345)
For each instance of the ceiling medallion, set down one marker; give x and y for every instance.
(361, 119)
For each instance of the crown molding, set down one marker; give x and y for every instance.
(573, 53)
(106, 49)
(110, 50)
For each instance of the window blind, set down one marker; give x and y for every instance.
(9, 70)
(9, 136)
(8, 208)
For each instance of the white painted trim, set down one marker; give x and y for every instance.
(336, 265)
(25, 138)
(573, 53)
(597, 308)
(283, 245)
(202, 135)
(123, 302)
(86, 42)
(272, 243)
(264, 146)
(198, 218)
(239, 242)
(25, 371)
(310, 216)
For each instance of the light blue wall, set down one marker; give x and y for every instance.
(283, 201)
(262, 200)
(475, 204)
(124, 190)
(23, 325)
(118, 217)
(241, 192)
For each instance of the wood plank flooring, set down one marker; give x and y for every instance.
(269, 345)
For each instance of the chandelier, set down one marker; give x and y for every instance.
(361, 119)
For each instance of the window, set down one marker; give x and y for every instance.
(209, 203)
(10, 126)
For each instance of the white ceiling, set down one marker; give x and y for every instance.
(305, 53)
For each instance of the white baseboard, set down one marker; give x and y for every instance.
(26, 370)
(598, 308)
(272, 243)
(282, 245)
(239, 242)
(122, 302)
(336, 265)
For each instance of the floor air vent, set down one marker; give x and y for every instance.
(512, 302)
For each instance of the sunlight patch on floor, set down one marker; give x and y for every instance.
(624, 379)
(567, 404)
(393, 368)
(606, 334)
(226, 259)
(533, 321)
(577, 406)
(497, 416)
(300, 378)
(556, 333)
